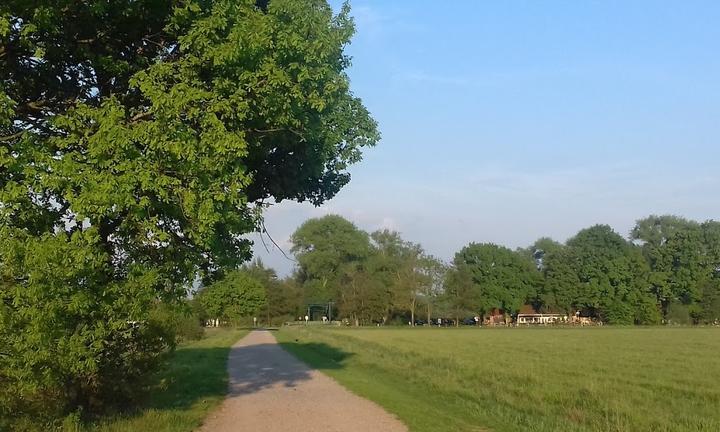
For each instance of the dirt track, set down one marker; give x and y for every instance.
(272, 391)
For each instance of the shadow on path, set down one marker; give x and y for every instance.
(274, 391)
(256, 367)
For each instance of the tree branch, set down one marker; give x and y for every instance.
(302, 138)
(11, 137)
(141, 116)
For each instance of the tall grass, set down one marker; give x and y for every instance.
(600, 379)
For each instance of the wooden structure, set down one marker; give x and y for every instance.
(529, 316)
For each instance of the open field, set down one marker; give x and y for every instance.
(597, 379)
(194, 383)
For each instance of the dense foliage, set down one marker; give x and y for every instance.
(601, 274)
(370, 277)
(501, 278)
(668, 271)
(139, 139)
(237, 295)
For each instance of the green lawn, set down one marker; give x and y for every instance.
(194, 383)
(590, 379)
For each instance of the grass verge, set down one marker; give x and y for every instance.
(194, 383)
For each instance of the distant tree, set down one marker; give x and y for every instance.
(678, 255)
(284, 298)
(401, 261)
(237, 295)
(330, 251)
(257, 270)
(709, 307)
(363, 298)
(561, 285)
(610, 278)
(461, 296)
(504, 279)
(285, 301)
(433, 273)
(711, 239)
(678, 313)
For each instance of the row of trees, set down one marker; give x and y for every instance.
(668, 270)
(370, 277)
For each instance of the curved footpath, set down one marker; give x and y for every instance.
(272, 391)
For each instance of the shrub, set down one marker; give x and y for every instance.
(235, 298)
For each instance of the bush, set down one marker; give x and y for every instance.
(181, 322)
(189, 328)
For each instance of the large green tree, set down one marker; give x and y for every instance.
(138, 142)
(684, 258)
(433, 276)
(601, 273)
(674, 248)
(399, 264)
(504, 279)
(371, 277)
(328, 251)
(461, 295)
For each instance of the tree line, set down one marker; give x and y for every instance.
(666, 271)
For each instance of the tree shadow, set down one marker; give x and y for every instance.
(250, 370)
(257, 367)
(196, 374)
(317, 355)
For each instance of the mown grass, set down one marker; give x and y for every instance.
(194, 383)
(599, 379)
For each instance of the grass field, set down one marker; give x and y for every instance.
(597, 379)
(194, 383)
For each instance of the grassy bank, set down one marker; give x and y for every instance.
(599, 379)
(194, 383)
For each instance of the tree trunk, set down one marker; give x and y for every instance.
(412, 312)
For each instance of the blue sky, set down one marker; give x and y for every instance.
(505, 121)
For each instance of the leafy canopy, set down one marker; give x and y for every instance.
(139, 140)
(235, 296)
(501, 279)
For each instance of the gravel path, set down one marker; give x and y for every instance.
(272, 391)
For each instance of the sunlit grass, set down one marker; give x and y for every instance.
(599, 379)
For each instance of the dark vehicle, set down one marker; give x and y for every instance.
(469, 321)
